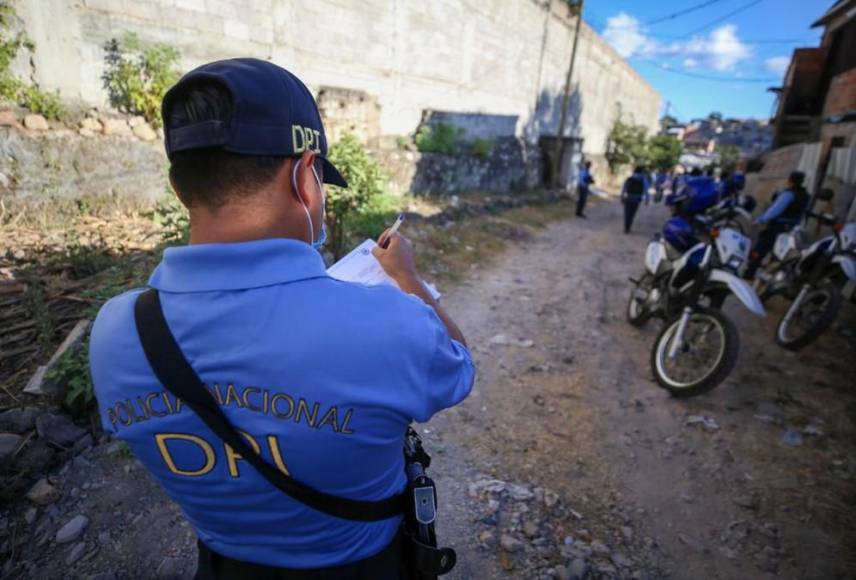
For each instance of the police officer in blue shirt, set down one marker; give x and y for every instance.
(321, 377)
(787, 210)
(586, 181)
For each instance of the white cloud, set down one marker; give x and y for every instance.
(777, 64)
(721, 50)
(626, 36)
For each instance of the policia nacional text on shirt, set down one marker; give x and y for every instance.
(321, 376)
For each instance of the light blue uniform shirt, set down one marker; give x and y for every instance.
(782, 202)
(323, 375)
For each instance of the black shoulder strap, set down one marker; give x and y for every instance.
(179, 378)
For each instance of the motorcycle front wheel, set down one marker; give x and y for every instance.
(706, 357)
(813, 316)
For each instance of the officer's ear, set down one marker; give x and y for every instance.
(308, 190)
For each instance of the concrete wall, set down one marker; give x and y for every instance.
(498, 57)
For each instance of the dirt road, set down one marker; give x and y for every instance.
(578, 412)
(567, 461)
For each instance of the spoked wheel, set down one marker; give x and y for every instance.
(706, 357)
(638, 311)
(812, 317)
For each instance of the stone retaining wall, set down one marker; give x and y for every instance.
(99, 155)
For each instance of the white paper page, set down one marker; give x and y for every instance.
(361, 266)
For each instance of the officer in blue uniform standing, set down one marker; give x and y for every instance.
(634, 189)
(586, 181)
(321, 377)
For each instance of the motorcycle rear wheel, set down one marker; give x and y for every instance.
(819, 308)
(709, 332)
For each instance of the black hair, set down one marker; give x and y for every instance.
(639, 169)
(696, 172)
(588, 164)
(211, 176)
(796, 177)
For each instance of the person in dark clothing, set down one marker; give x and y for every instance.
(634, 189)
(786, 211)
(586, 180)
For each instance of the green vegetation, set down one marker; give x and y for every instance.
(627, 144)
(667, 121)
(360, 203)
(137, 76)
(664, 152)
(82, 260)
(13, 89)
(482, 148)
(440, 138)
(729, 157)
(171, 215)
(72, 371)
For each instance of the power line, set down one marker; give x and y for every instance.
(601, 23)
(682, 12)
(716, 78)
(721, 18)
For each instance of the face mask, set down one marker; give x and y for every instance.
(322, 239)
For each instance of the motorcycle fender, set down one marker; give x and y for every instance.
(741, 289)
(847, 264)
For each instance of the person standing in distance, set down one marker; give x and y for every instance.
(586, 181)
(321, 376)
(634, 189)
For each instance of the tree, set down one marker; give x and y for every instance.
(667, 121)
(664, 152)
(729, 157)
(627, 144)
(715, 116)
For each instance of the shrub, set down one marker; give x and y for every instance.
(173, 218)
(729, 157)
(440, 138)
(72, 371)
(43, 103)
(137, 77)
(366, 181)
(12, 89)
(482, 148)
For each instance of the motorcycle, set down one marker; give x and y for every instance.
(697, 347)
(812, 277)
(733, 212)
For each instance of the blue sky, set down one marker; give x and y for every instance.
(675, 53)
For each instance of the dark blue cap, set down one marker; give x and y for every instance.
(273, 113)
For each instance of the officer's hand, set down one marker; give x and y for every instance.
(397, 258)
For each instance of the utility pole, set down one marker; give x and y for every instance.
(559, 150)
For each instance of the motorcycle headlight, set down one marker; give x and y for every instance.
(735, 262)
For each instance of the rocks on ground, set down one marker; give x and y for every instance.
(536, 535)
(72, 530)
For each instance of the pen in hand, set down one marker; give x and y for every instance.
(384, 241)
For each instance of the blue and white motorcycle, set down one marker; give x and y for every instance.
(697, 347)
(813, 277)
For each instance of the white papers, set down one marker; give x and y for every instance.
(360, 266)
